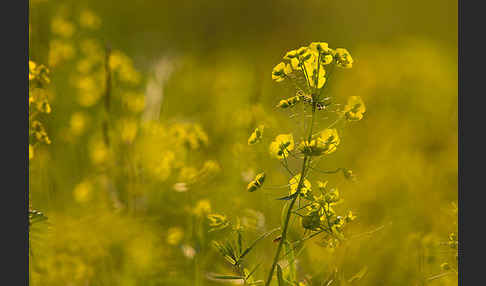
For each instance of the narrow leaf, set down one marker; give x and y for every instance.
(226, 277)
(287, 198)
(280, 276)
(256, 241)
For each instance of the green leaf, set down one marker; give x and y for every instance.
(253, 271)
(256, 241)
(226, 277)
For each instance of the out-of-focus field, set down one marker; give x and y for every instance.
(126, 192)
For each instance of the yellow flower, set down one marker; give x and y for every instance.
(330, 139)
(282, 145)
(256, 183)
(290, 55)
(323, 144)
(256, 135)
(350, 217)
(280, 71)
(289, 102)
(294, 183)
(32, 70)
(174, 235)
(320, 47)
(354, 109)
(311, 69)
(343, 58)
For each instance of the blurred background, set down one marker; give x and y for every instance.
(127, 184)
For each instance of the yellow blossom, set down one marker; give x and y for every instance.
(282, 145)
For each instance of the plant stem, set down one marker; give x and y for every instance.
(305, 169)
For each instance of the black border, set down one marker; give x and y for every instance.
(14, 152)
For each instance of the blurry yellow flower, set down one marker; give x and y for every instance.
(82, 191)
(209, 168)
(122, 64)
(98, 152)
(332, 196)
(174, 235)
(202, 207)
(60, 51)
(89, 90)
(87, 19)
(354, 109)
(85, 65)
(281, 146)
(294, 183)
(188, 174)
(92, 49)
(32, 70)
(128, 130)
(78, 123)
(62, 27)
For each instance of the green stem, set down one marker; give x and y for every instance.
(305, 168)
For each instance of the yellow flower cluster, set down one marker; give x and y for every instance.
(309, 64)
(38, 104)
(321, 214)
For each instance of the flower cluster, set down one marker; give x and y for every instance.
(308, 65)
(308, 70)
(38, 105)
(321, 216)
